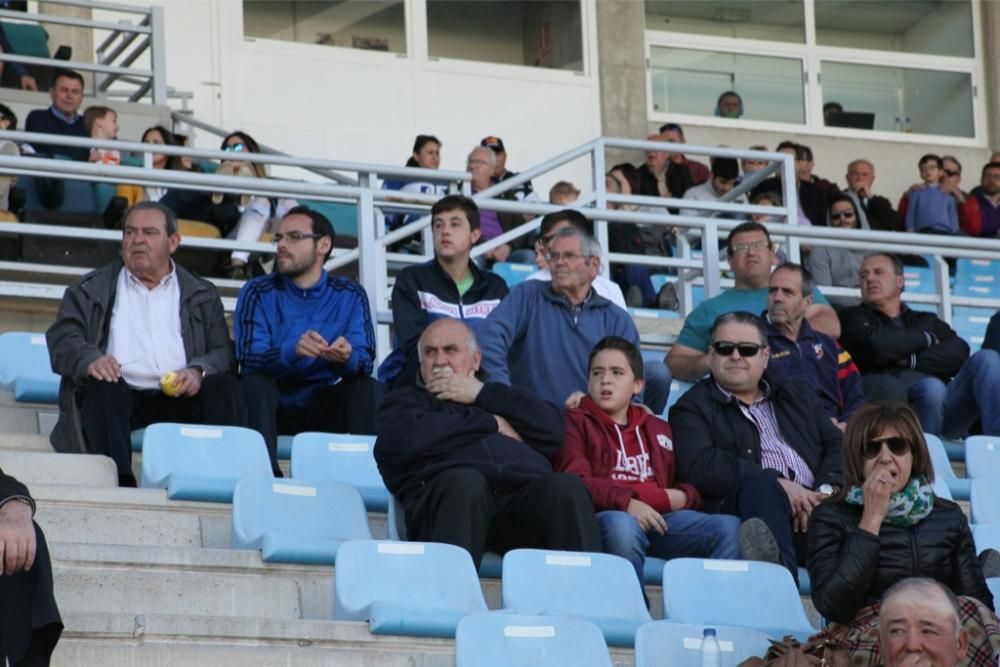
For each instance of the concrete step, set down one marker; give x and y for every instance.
(158, 640)
(30, 442)
(80, 470)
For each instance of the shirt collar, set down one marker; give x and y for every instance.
(70, 120)
(765, 392)
(163, 281)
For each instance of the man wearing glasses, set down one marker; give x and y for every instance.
(539, 337)
(751, 256)
(755, 446)
(305, 341)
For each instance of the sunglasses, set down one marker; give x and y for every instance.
(898, 446)
(837, 215)
(725, 348)
(952, 173)
(235, 148)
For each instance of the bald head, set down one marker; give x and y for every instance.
(920, 625)
(448, 344)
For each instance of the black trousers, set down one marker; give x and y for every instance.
(30, 624)
(458, 507)
(346, 407)
(112, 410)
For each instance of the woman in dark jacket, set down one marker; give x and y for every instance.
(886, 525)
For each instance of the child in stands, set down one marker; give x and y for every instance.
(625, 456)
(930, 210)
(102, 123)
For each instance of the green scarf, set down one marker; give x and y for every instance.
(907, 507)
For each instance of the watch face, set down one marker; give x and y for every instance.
(826, 489)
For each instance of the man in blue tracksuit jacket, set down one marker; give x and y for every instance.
(304, 341)
(540, 337)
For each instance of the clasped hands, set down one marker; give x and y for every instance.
(313, 345)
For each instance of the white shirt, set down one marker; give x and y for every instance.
(609, 289)
(145, 334)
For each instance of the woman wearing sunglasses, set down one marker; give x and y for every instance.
(838, 267)
(886, 525)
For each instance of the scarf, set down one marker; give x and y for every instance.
(906, 507)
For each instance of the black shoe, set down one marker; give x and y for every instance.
(757, 542)
(633, 297)
(667, 299)
(127, 480)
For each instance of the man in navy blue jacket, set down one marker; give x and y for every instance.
(470, 461)
(61, 118)
(304, 340)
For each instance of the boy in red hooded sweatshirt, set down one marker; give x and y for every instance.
(625, 456)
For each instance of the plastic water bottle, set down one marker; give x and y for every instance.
(711, 654)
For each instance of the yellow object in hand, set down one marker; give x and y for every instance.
(169, 382)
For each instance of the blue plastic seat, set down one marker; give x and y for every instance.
(705, 591)
(986, 536)
(944, 474)
(919, 280)
(201, 462)
(405, 588)
(600, 588)
(294, 521)
(677, 389)
(137, 437)
(500, 639)
(982, 456)
(513, 274)
(984, 501)
(994, 586)
(342, 458)
(25, 368)
(679, 644)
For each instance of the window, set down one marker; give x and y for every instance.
(887, 67)
(534, 33)
(373, 25)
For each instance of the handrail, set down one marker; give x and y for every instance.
(75, 22)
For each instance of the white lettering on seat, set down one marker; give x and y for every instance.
(529, 631)
(188, 432)
(567, 561)
(726, 565)
(38, 340)
(694, 644)
(348, 446)
(292, 490)
(401, 548)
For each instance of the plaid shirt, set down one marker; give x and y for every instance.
(775, 453)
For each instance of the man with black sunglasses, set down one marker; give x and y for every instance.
(753, 445)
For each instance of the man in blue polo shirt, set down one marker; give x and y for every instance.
(799, 352)
(751, 256)
(61, 118)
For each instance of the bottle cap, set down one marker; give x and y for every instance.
(709, 632)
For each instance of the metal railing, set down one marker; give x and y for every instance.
(373, 254)
(138, 34)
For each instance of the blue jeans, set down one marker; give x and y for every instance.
(689, 533)
(657, 388)
(950, 409)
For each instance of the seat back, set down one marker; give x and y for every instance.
(704, 591)
(535, 581)
(986, 536)
(24, 355)
(946, 483)
(396, 520)
(322, 510)
(994, 586)
(342, 458)
(421, 576)
(499, 639)
(513, 274)
(982, 456)
(984, 500)
(677, 389)
(209, 459)
(679, 644)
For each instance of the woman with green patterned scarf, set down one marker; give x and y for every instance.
(886, 525)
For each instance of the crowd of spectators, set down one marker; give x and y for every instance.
(528, 417)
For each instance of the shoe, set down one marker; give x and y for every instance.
(667, 299)
(633, 297)
(989, 561)
(757, 542)
(236, 272)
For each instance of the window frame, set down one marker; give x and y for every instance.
(812, 56)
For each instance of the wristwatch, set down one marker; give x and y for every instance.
(827, 489)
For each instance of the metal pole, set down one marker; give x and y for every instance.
(158, 55)
(601, 201)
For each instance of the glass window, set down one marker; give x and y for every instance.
(374, 25)
(935, 27)
(536, 33)
(686, 81)
(898, 99)
(771, 20)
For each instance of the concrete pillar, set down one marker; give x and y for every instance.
(621, 46)
(81, 40)
(990, 14)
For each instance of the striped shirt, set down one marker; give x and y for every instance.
(775, 453)
(145, 334)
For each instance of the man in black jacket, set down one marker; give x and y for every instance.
(908, 355)
(876, 212)
(470, 461)
(29, 619)
(754, 446)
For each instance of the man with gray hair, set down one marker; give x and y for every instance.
(469, 459)
(480, 164)
(920, 624)
(137, 341)
(541, 335)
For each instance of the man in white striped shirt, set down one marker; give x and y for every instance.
(127, 326)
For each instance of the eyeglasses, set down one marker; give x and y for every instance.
(898, 446)
(952, 173)
(293, 237)
(837, 215)
(744, 247)
(235, 148)
(553, 257)
(724, 348)
(475, 162)
(545, 240)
